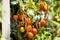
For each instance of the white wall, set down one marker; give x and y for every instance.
(6, 19)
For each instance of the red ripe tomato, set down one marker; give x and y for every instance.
(28, 21)
(41, 5)
(28, 28)
(21, 16)
(43, 23)
(29, 35)
(15, 17)
(55, 18)
(34, 31)
(45, 8)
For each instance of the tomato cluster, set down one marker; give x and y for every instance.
(43, 6)
(25, 25)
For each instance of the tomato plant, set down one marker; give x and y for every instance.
(35, 19)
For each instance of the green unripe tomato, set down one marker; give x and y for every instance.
(22, 29)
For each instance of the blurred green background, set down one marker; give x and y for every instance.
(0, 19)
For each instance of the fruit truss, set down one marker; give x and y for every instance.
(35, 19)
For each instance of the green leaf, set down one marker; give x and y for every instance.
(31, 1)
(54, 23)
